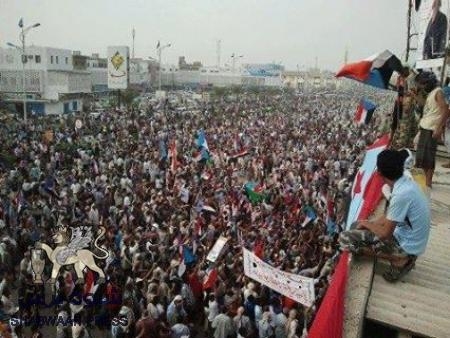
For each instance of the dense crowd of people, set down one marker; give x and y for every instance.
(164, 199)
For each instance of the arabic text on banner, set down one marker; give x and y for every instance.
(298, 288)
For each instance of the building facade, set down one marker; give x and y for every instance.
(52, 85)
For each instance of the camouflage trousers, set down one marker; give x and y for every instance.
(355, 240)
(406, 130)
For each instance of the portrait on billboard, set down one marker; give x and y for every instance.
(435, 38)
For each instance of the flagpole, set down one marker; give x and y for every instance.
(160, 68)
(24, 94)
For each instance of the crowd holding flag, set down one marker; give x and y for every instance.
(188, 255)
(210, 279)
(173, 156)
(255, 192)
(202, 153)
(310, 216)
(201, 140)
(162, 150)
(365, 111)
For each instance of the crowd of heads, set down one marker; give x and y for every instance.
(163, 210)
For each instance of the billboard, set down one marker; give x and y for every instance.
(118, 67)
(433, 36)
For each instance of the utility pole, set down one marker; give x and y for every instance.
(409, 34)
(22, 35)
(408, 38)
(160, 49)
(218, 53)
(160, 67)
(133, 34)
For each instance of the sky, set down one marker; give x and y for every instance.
(293, 32)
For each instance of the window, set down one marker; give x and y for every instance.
(57, 59)
(67, 60)
(37, 58)
(51, 59)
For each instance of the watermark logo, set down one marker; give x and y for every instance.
(60, 320)
(70, 250)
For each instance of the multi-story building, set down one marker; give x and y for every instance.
(143, 73)
(52, 84)
(183, 65)
(263, 69)
(98, 70)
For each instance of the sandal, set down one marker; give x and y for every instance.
(395, 273)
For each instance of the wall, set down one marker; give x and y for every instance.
(79, 83)
(57, 108)
(11, 81)
(99, 76)
(62, 55)
(53, 108)
(66, 82)
(185, 77)
(10, 58)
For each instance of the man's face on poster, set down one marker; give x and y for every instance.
(436, 6)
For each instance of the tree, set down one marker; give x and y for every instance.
(128, 95)
(218, 92)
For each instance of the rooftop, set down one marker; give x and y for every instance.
(420, 303)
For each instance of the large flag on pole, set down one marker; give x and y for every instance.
(366, 190)
(375, 71)
(365, 111)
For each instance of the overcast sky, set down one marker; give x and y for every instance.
(293, 32)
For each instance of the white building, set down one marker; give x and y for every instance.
(98, 69)
(52, 85)
(140, 72)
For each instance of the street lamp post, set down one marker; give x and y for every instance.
(22, 35)
(160, 49)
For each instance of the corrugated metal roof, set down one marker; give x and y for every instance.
(420, 303)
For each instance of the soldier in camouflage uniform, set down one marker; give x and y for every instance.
(407, 125)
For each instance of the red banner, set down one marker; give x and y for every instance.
(329, 321)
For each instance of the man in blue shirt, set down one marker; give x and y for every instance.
(402, 233)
